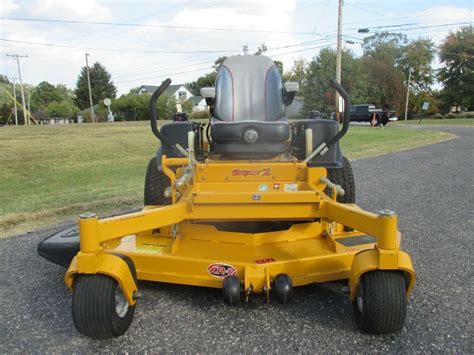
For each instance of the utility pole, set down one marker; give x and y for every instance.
(14, 102)
(17, 58)
(338, 56)
(408, 93)
(90, 90)
(29, 111)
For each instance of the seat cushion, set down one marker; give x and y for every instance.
(222, 132)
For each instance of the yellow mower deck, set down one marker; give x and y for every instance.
(178, 243)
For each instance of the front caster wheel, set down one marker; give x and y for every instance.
(231, 290)
(99, 307)
(380, 305)
(283, 288)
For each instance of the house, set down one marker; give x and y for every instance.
(54, 120)
(81, 114)
(178, 91)
(199, 104)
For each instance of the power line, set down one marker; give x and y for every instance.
(76, 22)
(416, 28)
(119, 49)
(158, 76)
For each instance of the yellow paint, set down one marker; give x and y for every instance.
(229, 191)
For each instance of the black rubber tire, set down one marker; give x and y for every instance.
(131, 266)
(345, 178)
(232, 290)
(93, 307)
(155, 184)
(384, 302)
(282, 288)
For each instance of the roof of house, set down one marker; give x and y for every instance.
(195, 100)
(169, 91)
(96, 106)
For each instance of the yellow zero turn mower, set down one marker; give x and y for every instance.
(259, 207)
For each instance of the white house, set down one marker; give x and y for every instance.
(179, 91)
(199, 104)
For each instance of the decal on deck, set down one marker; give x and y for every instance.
(264, 260)
(251, 172)
(221, 270)
(290, 187)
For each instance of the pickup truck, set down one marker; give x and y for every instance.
(368, 113)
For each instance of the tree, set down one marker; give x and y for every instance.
(63, 108)
(5, 113)
(384, 84)
(297, 72)
(385, 46)
(102, 86)
(206, 80)
(132, 107)
(4, 79)
(45, 93)
(418, 55)
(279, 65)
(456, 54)
(316, 90)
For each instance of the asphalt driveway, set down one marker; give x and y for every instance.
(431, 188)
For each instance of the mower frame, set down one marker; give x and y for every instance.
(179, 244)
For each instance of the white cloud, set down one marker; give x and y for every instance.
(7, 7)
(90, 10)
(443, 14)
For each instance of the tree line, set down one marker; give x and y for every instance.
(379, 76)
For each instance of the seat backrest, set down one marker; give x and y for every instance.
(248, 88)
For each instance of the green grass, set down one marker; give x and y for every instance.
(438, 122)
(52, 173)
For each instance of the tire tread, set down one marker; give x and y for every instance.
(384, 302)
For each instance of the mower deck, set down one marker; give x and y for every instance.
(180, 243)
(202, 256)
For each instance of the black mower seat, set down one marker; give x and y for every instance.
(249, 116)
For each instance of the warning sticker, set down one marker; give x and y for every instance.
(290, 187)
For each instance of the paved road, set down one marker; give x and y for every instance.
(430, 187)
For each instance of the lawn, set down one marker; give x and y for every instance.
(438, 122)
(53, 173)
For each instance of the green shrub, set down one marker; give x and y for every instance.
(451, 115)
(437, 116)
(467, 114)
(133, 107)
(65, 109)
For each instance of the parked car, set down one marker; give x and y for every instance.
(369, 113)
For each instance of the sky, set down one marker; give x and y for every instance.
(144, 42)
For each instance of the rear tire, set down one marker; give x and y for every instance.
(380, 305)
(155, 184)
(345, 178)
(99, 307)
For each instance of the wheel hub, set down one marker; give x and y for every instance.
(121, 304)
